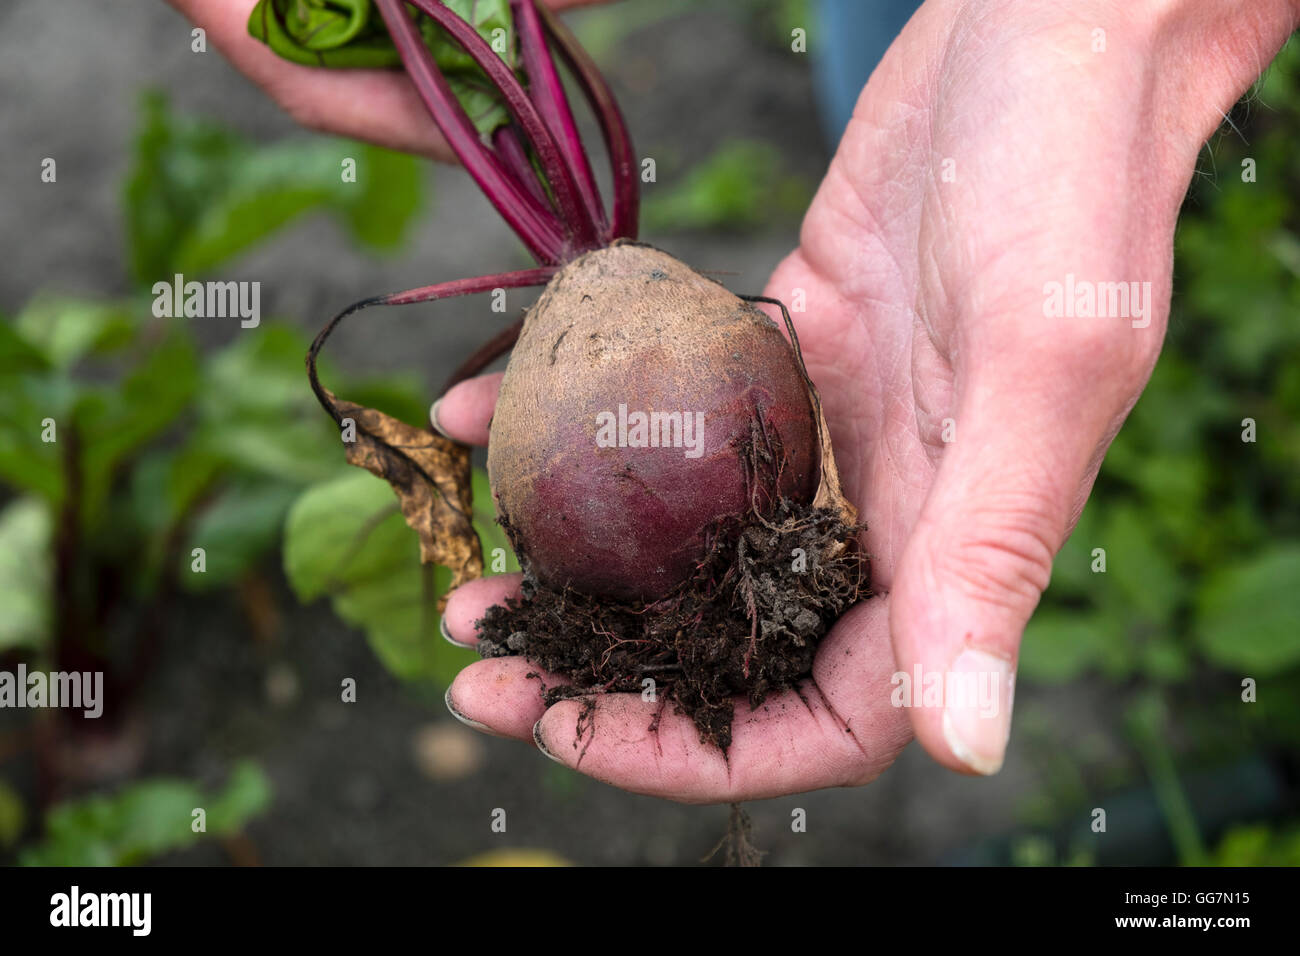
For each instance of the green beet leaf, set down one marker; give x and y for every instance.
(350, 34)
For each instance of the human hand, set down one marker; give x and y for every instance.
(968, 424)
(378, 106)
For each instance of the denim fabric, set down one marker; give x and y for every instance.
(852, 36)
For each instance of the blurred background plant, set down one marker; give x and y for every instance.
(139, 466)
(169, 440)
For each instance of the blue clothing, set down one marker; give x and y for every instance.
(851, 38)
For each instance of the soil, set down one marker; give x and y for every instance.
(770, 585)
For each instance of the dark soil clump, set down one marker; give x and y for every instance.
(747, 622)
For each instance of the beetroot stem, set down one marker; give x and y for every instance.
(536, 226)
(574, 216)
(449, 290)
(428, 293)
(617, 141)
(506, 142)
(547, 92)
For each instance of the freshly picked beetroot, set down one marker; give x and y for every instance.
(658, 456)
(615, 443)
(659, 460)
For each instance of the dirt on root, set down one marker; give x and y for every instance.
(747, 623)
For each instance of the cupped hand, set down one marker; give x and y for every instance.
(999, 149)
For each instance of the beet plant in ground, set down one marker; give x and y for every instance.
(140, 472)
(658, 456)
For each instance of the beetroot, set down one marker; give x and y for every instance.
(657, 455)
(630, 328)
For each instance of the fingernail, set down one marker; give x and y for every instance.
(976, 726)
(446, 635)
(462, 718)
(541, 744)
(433, 419)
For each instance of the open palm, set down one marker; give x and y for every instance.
(989, 157)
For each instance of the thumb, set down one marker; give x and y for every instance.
(1012, 477)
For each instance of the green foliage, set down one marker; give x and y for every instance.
(114, 421)
(63, 331)
(38, 391)
(47, 413)
(743, 185)
(1147, 722)
(1061, 645)
(240, 525)
(775, 19)
(1259, 844)
(167, 451)
(256, 437)
(1247, 614)
(12, 816)
(256, 412)
(351, 33)
(26, 567)
(1034, 849)
(344, 33)
(146, 819)
(222, 446)
(345, 539)
(199, 195)
(486, 16)
(117, 432)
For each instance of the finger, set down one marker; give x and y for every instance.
(465, 412)
(469, 602)
(856, 672)
(790, 744)
(793, 742)
(378, 106)
(1008, 488)
(501, 696)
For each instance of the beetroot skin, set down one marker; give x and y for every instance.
(632, 326)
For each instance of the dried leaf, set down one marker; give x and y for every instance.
(431, 477)
(829, 493)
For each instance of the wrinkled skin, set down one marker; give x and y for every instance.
(925, 302)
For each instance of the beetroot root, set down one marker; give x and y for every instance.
(591, 503)
(704, 567)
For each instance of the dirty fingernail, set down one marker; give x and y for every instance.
(446, 635)
(541, 744)
(976, 726)
(463, 719)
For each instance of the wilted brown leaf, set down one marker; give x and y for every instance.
(431, 477)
